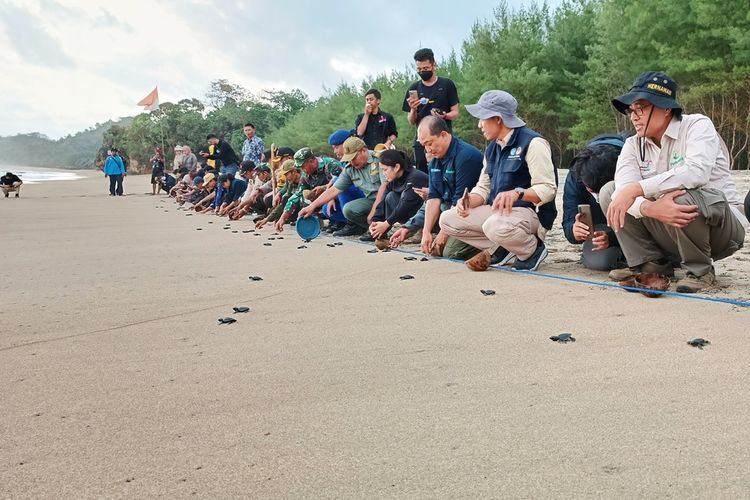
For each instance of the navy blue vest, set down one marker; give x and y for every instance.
(508, 170)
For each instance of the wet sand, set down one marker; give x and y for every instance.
(344, 381)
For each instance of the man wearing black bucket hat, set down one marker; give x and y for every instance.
(673, 198)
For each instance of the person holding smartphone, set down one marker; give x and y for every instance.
(591, 168)
(432, 95)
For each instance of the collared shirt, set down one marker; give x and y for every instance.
(252, 149)
(320, 177)
(692, 155)
(190, 161)
(457, 170)
(367, 178)
(541, 170)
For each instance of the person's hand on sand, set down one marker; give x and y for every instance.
(280, 223)
(580, 230)
(261, 223)
(438, 244)
(600, 241)
(379, 229)
(426, 244)
(276, 200)
(398, 237)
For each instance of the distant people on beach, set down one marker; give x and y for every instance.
(157, 171)
(11, 183)
(114, 168)
(252, 147)
(224, 153)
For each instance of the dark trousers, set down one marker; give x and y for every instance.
(419, 157)
(115, 185)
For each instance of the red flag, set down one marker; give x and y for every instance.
(151, 101)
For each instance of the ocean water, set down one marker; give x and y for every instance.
(36, 175)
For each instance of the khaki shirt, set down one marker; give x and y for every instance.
(367, 178)
(691, 155)
(541, 169)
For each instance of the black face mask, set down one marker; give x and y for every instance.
(425, 75)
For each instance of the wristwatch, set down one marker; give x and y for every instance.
(521, 192)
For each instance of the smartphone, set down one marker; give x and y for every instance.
(409, 185)
(586, 218)
(413, 94)
(438, 112)
(465, 199)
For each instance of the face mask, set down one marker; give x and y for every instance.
(596, 196)
(425, 75)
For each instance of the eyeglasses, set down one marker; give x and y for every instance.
(638, 110)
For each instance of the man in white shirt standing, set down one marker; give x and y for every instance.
(673, 198)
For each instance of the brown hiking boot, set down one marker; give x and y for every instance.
(648, 267)
(694, 284)
(480, 262)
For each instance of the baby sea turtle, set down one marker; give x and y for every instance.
(374, 250)
(301, 247)
(235, 231)
(249, 231)
(338, 244)
(330, 245)
(241, 309)
(280, 238)
(423, 259)
(271, 238)
(226, 227)
(563, 338)
(266, 244)
(210, 222)
(199, 229)
(255, 278)
(188, 215)
(410, 258)
(307, 241)
(227, 321)
(487, 292)
(699, 343)
(406, 277)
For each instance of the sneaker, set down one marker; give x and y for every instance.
(694, 284)
(664, 269)
(501, 257)
(367, 237)
(533, 262)
(17, 194)
(334, 226)
(7, 194)
(349, 230)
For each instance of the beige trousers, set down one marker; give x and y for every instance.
(488, 229)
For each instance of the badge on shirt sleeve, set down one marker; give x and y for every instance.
(676, 160)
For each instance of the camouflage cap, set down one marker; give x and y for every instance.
(288, 166)
(263, 167)
(302, 156)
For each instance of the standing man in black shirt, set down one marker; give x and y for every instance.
(375, 126)
(432, 95)
(223, 152)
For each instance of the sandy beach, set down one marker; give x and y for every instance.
(344, 381)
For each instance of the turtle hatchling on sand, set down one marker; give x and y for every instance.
(699, 343)
(487, 292)
(241, 309)
(406, 277)
(255, 278)
(227, 321)
(563, 338)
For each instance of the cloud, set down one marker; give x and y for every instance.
(25, 32)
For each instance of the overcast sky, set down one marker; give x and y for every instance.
(71, 63)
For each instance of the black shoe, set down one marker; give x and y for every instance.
(349, 230)
(7, 194)
(367, 237)
(17, 195)
(533, 262)
(501, 257)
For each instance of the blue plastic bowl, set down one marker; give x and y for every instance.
(308, 229)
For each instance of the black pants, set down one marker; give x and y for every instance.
(115, 185)
(419, 157)
(387, 206)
